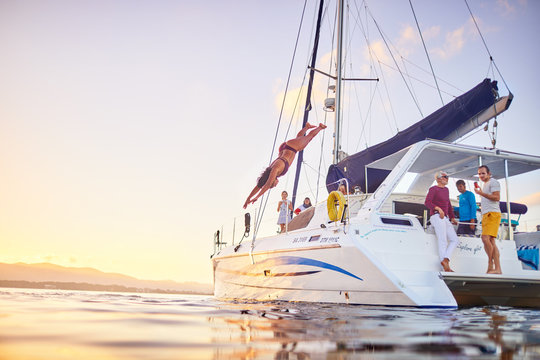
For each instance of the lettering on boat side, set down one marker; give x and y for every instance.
(376, 230)
(300, 239)
(328, 239)
(465, 247)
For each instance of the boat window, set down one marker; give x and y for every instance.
(314, 238)
(419, 210)
(394, 221)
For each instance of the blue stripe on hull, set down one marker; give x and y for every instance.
(296, 260)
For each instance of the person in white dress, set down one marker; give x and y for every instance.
(285, 211)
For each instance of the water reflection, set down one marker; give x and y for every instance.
(38, 324)
(303, 331)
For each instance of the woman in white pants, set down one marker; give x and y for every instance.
(442, 218)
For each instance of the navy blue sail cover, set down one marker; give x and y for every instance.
(515, 208)
(439, 125)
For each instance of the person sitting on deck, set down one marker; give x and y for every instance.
(438, 202)
(304, 206)
(343, 189)
(279, 167)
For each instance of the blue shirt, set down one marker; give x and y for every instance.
(467, 206)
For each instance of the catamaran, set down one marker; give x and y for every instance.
(375, 245)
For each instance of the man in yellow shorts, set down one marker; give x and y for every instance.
(490, 195)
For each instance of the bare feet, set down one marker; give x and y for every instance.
(446, 265)
(491, 267)
(309, 126)
(322, 126)
(494, 272)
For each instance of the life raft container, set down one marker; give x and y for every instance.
(335, 205)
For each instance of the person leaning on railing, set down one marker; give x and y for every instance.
(442, 218)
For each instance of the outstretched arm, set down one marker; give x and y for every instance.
(253, 192)
(272, 180)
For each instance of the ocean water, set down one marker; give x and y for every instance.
(61, 324)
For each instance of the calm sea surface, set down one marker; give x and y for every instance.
(58, 324)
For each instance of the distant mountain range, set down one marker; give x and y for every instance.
(46, 275)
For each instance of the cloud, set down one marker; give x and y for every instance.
(294, 102)
(409, 40)
(296, 97)
(511, 8)
(505, 8)
(454, 42)
(431, 33)
(531, 200)
(378, 50)
(408, 34)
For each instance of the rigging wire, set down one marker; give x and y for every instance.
(363, 132)
(425, 49)
(288, 81)
(389, 102)
(438, 78)
(308, 103)
(417, 79)
(485, 45)
(395, 62)
(373, 70)
(306, 69)
(333, 32)
(410, 80)
(493, 134)
(267, 195)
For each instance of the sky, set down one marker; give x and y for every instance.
(130, 131)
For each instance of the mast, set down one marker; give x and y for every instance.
(337, 134)
(308, 97)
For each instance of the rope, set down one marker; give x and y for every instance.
(321, 158)
(288, 81)
(395, 62)
(485, 45)
(417, 79)
(493, 134)
(261, 210)
(373, 70)
(425, 49)
(438, 78)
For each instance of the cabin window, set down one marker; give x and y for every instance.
(419, 210)
(394, 221)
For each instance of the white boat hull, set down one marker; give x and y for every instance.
(376, 264)
(380, 257)
(342, 271)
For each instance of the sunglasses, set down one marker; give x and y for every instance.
(444, 176)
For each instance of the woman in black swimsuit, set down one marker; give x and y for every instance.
(280, 166)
